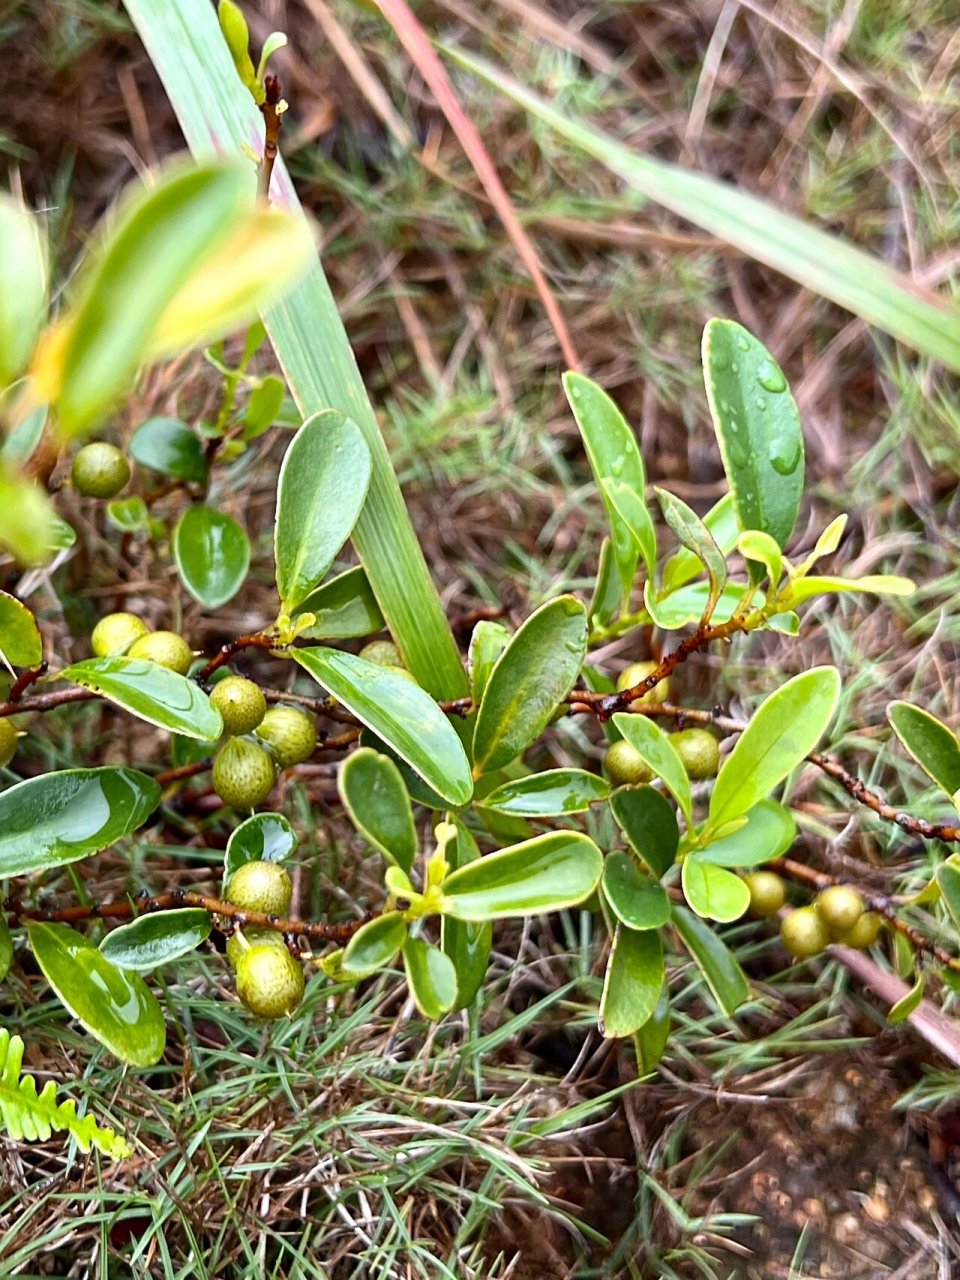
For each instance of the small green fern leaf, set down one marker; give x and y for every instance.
(26, 1114)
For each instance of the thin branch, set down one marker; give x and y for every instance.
(24, 680)
(256, 640)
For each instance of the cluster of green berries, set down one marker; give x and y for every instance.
(698, 749)
(269, 979)
(100, 470)
(838, 914)
(245, 768)
(126, 635)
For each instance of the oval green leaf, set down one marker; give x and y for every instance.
(714, 959)
(115, 1007)
(768, 833)
(693, 534)
(688, 604)
(713, 892)
(344, 608)
(647, 818)
(533, 675)
(61, 817)
(935, 748)
(212, 553)
(155, 939)
(169, 446)
(722, 525)
(659, 753)
(20, 642)
(758, 428)
(323, 481)
(784, 728)
(636, 900)
(263, 837)
(651, 1039)
(466, 943)
(487, 643)
(373, 793)
(432, 978)
(632, 983)
(909, 1003)
(547, 794)
(400, 713)
(23, 286)
(150, 692)
(374, 945)
(548, 873)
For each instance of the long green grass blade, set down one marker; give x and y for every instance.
(219, 117)
(822, 262)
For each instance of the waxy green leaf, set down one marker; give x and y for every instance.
(714, 959)
(323, 481)
(636, 900)
(784, 728)
(64, 816)
(400, 713)
(547, 794)
(374, 946)
(115, 1007)
(431, 976)
(693, 534)
(212, 553)
(633, 982)
(263, 837)
(651, 1039)
(631, 506)
(344, 608)
(713, 892)
(373, 793)
(466, 942)
(150, 692)
(533, 675)
(23, 286)
(614, 455)
(723, 526)
(487, 643)
(157, 938)
(20, 642)
(646, 817)
(688, 604)
(934, 747)
(768, 833)
(758, 428)
(169, 446)
(547, 873)
(659, 753)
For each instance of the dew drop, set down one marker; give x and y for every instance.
(761, 403)
(720, 364)
(784, 455)
(743, 343)
(735, 367)
(738, 453)
(616, 466)
(771, 379)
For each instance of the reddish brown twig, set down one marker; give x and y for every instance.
(24, 680)
(127, 910)
(273, 123)
(853, 785)
(257, 640)
(181, 771)
(881, 904)
(46, 701)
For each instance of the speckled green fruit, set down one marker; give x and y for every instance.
(243, 773)
(383, 652)
(165, 648)
(261, 886)
(239, 943)
(839, 907)
(240, 702)
(290, 733)
(623, 764)
(864, 933)
(636, 672)
(269, 981)
(699, 751)
(115, 633)
(803, 933)
(8, 742)
(768, 892)
(100, 470)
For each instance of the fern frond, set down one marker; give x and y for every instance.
(26, 1114)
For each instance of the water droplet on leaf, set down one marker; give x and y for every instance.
(770, 378)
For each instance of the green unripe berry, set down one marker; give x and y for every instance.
(239, 943)
(100, 470)
(699, 752)
(864, 933)
(768, 892)
(290, 733)
(115, 633)
(403, 673)
(8, 742)
(243, 773)
(803, 933)
(383, 652)
(261, 886)
(623, 764)
(269, 981)
(839, 907)
(240, 703)
(636, 672)
(165, 648)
